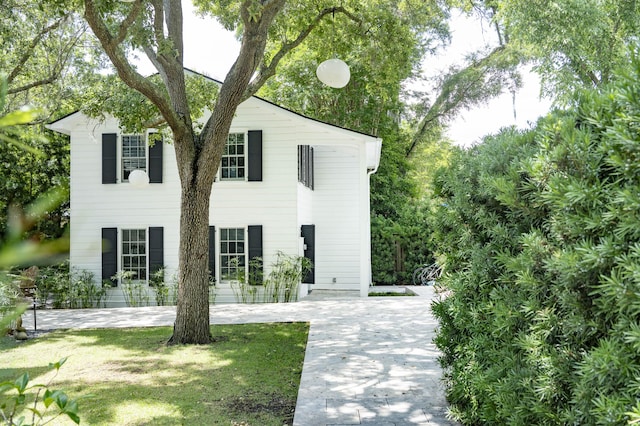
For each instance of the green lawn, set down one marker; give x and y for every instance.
(249, 376)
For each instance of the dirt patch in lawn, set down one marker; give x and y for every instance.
(273, 404)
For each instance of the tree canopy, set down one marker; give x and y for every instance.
(572, 43)
(43, 56)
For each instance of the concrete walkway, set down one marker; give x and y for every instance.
(368, 360)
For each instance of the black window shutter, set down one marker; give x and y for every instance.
(212, 251)
(308, 232)
(155, 160)
(255, 250)
(109, 254)
(156, 249)
(255, 156)
(109, 157)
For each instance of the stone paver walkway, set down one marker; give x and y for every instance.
(368, 360)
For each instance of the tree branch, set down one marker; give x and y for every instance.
(269, 71)
(457, 91)
(29, 51)
(127, 73)
(233, 90)
(128, 21)
(52, 78)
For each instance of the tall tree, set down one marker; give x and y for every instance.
(399, 36)
(41, 56)
(156, 27)
(572, 43)
(42, 67)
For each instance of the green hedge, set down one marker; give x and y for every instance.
(540, 234)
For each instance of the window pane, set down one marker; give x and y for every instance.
(134, 247)
(233, 161)
(134, 154)
(232, 255)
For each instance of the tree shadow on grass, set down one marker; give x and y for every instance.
(129, 376)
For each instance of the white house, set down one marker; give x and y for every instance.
(287, 183)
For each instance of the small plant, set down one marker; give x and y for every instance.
(159, 286)
(9, 298)
(212, 289)
(284, 279)
(14, 405)
(247, 290)
(54, 283)
(173, 290)
(87, 293)
(134, 291)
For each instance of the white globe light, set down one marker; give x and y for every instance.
(334, 73)
(138, 178)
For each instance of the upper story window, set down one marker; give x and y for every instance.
(134, 154)
(305, 165)
(134, 253)
(233, 158)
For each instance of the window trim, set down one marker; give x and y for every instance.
(121, 258)
(245, 156)
(220, 230)
(145, 141)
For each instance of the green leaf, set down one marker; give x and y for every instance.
(58, 364)
(61, 399)
(22, 382)
(74, 417)
(47, 398)
(35, 411)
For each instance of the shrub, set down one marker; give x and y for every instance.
(540, 233)
(68, 287)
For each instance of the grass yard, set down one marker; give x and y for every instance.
(249, 376)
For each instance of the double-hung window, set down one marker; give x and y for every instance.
(232, 254)
(233, 165)
(134, 154)
(134, 253)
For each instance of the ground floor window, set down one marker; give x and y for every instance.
(232, 254)
(134, 253)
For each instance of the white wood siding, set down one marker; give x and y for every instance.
(336, 218)
(279, 203)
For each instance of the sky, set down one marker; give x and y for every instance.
(468, 35)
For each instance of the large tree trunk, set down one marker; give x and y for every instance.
(192, 316)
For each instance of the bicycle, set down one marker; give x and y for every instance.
(427, 274)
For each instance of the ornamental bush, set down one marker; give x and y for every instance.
(540, 234)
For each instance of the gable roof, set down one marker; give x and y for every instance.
(373, 143)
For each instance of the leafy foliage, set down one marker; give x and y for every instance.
(30, 203)
(540, 235)
(573, 44)
(37, 407)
